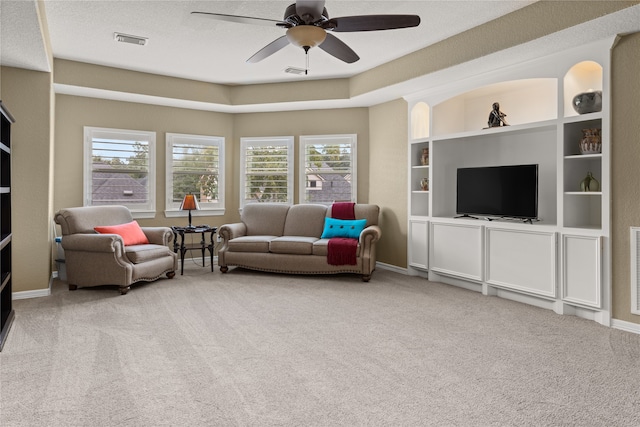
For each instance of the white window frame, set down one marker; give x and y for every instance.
(305, 140)
(266, 141)
(172, 209)
(147, 210)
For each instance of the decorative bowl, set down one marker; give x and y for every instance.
(588, 102)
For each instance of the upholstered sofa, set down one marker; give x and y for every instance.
(93, 258)
(283, 238)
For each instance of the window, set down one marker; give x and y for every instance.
(195, 164)
(328, 168)
(266, 170)
(119, 168)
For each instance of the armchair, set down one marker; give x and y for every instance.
(94, 259)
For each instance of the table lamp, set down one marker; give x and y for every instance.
(189, 203)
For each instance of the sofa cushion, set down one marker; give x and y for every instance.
(138, 254)
(298, 245)
(361, 210)
(305, 220)
(321, 247)
(265, 219)
(250, 244)
(347, 228)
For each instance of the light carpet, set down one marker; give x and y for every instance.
(257, 349)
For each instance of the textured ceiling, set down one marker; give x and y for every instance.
(196, 48)
(21, 40)
(193, 47)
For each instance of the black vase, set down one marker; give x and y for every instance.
(588, 102)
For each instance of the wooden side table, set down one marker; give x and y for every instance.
(183, 247)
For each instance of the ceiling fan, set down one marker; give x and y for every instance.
(308, 25)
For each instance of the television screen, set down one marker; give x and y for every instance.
(503, 191)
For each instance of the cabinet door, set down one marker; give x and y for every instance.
(581, 270)
(522, 260)
(456, 250)
(419, 244)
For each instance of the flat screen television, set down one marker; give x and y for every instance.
(498, 191)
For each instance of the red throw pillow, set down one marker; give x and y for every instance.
(130, 232)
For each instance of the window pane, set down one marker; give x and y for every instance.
(119, 172)
(195, 170)
(328, 172)
(266, 173)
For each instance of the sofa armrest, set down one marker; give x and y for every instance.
(369, 236)
(159, 235)
(93, 243)
(231, 231)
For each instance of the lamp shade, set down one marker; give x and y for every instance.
(189, 203)
(306, 35)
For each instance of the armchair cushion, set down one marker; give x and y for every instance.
(130, 232)
(138, 254)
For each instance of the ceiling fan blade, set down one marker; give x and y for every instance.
(346, 24)
(240, 19)
(311, 8)
(269, 49)
(334, 46)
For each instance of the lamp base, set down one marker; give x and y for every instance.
(189, 226)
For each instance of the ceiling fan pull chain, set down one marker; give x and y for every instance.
(306, 59)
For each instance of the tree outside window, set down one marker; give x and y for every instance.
(195, 165)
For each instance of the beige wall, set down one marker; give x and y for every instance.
(28, 96)
(388, 178)
(73, 113)
(625, 158)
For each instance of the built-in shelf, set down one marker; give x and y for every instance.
(583, 156)
(583, 193)
(501, 131)
(544, 129)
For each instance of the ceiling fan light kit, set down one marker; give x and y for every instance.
(307, 23)
(306, 36)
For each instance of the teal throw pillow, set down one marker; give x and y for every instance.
(350, 228)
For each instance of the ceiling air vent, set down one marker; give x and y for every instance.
(294, 70)
(127, 38)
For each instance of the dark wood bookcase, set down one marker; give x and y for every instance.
(6, 306)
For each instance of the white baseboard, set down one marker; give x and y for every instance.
(625, 326)
(395, 268)
(31, 294)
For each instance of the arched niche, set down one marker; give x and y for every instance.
(420, 121)
(585, 76)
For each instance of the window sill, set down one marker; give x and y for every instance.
(142, 214)
(201, 212)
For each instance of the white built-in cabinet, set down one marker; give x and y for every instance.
(562, 261)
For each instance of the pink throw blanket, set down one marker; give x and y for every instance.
(340, 250)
